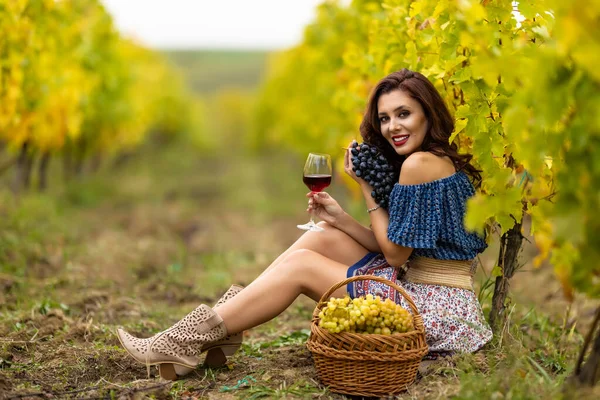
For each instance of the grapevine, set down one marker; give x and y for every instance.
(492, 69)
(73, 86)
(521, 79)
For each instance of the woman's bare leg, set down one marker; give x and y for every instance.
(300, 272)
(331, 243)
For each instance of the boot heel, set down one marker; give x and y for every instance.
(167, 372)
(171, 372)
(229, 350)
(215, 357)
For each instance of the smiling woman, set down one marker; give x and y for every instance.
(422, 230)
(406, 111)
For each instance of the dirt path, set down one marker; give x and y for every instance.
(142, 265)
(155, 248)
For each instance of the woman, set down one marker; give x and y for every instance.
(408, 121)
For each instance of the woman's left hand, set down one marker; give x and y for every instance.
(348, 166)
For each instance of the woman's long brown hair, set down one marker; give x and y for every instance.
(440, 122)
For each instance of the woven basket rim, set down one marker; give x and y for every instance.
(359, 335)
(412, 335)
(374, 355)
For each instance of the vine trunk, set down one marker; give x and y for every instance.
(588, 374)
(43, 172)
(510, 245)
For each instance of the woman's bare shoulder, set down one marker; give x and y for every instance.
(422, 167)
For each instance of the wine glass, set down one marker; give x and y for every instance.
(317, 176)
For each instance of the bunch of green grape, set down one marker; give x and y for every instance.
(365, 314)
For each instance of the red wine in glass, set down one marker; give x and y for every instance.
(317, 176)
(317, 182)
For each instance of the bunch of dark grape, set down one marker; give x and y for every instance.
(369, 164)
(365, 314)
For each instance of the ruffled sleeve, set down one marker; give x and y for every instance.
(415, 215)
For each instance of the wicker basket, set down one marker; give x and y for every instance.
(367, 364)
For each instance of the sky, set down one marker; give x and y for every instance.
(243, 24)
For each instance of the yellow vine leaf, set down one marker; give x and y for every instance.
(459, 126)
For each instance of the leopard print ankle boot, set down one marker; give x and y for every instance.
(180, 344)
(217, 352)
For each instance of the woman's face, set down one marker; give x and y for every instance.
(402, 120)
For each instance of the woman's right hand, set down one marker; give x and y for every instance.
(325, 207)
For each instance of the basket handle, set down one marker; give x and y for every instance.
(343, 283)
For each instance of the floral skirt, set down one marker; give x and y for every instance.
(453, 318)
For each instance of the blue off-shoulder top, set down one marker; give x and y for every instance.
(429, 217)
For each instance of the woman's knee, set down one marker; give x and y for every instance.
(312, 272)
(330, 236)
(337, 245)
(297, 261)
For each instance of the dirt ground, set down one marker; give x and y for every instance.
(155, 247)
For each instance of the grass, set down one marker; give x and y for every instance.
(142, 250)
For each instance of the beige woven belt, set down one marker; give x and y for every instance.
(453, 273)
